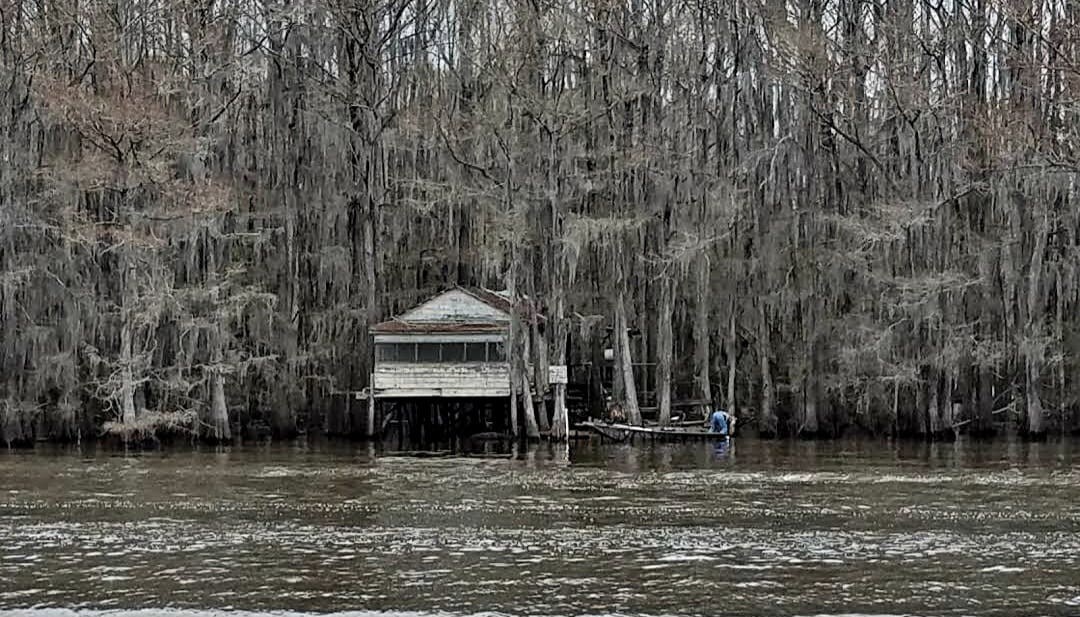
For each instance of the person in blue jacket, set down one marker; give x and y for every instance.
(718, 422)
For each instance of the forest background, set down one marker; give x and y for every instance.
(825, 215)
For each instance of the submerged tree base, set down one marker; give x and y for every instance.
(1029, 436)
(16, 423)
(152, 425)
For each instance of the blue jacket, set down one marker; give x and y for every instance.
(718, 422)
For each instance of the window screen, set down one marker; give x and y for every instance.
(395, 352)
(453, 352)
(440, 352)
(385, 352)
(405, 352)
(475, 352)
(427, 352)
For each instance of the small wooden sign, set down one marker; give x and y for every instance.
(557, 374)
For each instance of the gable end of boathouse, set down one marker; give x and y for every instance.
(451, 346)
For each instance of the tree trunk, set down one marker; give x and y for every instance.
(515, 430)
(127, 356)
(517, 351)
(370, 281)
(370, 430)
(701, 331)
(933, 408)
(767, 417)
(732, 408)
(1035, 411)
(127, 377)
(532, 430)
(217, 422)
(665, 349)
(512, 347)
(1035, 352)
(560, 423)
(896, 409)
(948, 408)
(626, 368)
(809, 425)
(983, 408)
(920, 415)
(538, 346)
(618, 395)
(283, 418)
(1059, 330)
(540, 374)
(218, 429)
(984, 419)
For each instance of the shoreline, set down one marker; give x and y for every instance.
(465, 444)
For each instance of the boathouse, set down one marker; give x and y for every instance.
(443, 363)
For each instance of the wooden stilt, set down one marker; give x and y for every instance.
(371, 413)
(403, 418)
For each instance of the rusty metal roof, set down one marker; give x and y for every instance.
(486, 296)
(396, 326)
(494, 299)
(526, 307)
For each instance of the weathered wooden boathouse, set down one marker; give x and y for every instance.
(442, 367)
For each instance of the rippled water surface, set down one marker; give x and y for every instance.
(761, 529)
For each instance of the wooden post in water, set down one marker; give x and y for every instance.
(371, 409)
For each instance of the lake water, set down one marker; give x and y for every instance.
(762, 528)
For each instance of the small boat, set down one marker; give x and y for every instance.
(622, 432)
(444, 454)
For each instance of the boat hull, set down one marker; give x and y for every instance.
(623, 432)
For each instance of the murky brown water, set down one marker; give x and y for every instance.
(762, 529)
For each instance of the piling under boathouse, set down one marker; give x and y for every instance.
(442, 367)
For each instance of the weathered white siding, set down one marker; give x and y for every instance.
(456, 349)
(476, 379)
(454, 306)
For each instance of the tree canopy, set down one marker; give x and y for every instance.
(822, 214)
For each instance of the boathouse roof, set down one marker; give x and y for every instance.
(457, 310)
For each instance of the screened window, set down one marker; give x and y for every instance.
(384, 352)
(395, 352)
(427, 352)
(406, 352)
(453, 352)
(431, 353)
(475, 352)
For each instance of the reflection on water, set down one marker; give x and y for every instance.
(754, 528)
